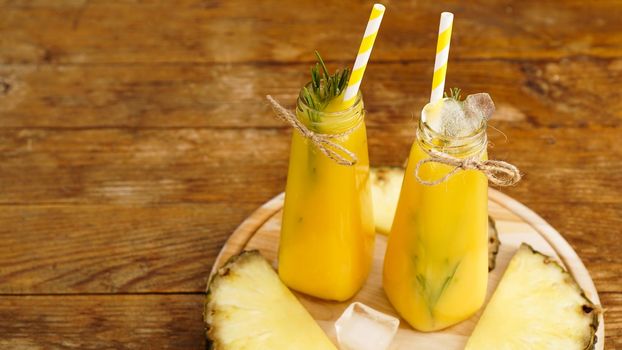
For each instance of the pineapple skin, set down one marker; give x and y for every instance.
(493, 243)
(588, 308)
(313, 335)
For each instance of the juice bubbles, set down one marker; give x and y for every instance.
(327, 234)
(435, 269)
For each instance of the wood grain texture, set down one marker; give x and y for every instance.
(58, 249)
(614, 321)
(548, 93)
(272, 31)
(134, 136)
(120, 322)
(135, 166)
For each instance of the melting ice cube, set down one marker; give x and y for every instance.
(479, 106)
(362, 328)
(454, 118)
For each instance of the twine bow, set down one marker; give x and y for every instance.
(331, 149)
(498, 172)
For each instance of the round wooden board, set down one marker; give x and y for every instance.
(515, 223)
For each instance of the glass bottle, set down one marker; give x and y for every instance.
(327, 233)
(435, 268)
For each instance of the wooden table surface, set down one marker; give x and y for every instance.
(135, 136)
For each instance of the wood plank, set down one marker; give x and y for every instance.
(570, 92)
(122, 322)
(112, 248)
(130, 166)
(140, 167)
(198, 31)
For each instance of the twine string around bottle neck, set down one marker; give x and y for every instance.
(498, 172)
(324, 142)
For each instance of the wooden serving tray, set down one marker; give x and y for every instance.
(515, 223)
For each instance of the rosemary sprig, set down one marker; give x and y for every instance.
(455, 93)
(324, 87)
(432, 295)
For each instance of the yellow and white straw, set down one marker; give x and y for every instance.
(442, 55)
(364, 52)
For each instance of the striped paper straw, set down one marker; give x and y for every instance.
(364, 52)
(442, 55)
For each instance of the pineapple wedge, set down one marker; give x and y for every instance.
(537, 305)
(386, 184)
(248, 307)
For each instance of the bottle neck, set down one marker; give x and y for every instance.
(461, 147)
(329, 121)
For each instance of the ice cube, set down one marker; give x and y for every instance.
(447, 117)
(453, 118)
(442, 115)
(362, 328)
(479, 106)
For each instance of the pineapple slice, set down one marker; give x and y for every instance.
(248, 307)
(537, 305)
(386, 184)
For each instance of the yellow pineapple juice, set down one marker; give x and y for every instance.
(435, 268)
(327, 234)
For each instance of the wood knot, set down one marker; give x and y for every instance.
(5, 87)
